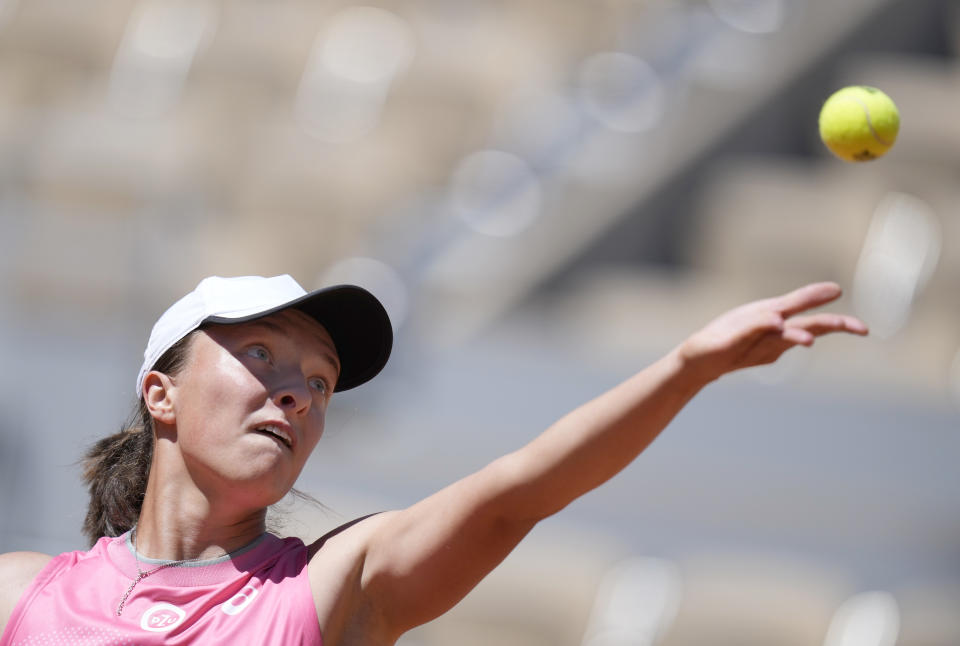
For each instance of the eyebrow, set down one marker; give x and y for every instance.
(279, 329)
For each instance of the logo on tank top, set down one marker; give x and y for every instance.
(162, 617)
(238, 602)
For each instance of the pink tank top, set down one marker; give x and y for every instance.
(260, 595)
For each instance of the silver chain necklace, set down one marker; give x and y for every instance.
(141, 575)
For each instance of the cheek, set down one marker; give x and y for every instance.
(313, 431)
(316, 428)
(228, 379)
(222, 392)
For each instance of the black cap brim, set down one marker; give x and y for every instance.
(356, 321)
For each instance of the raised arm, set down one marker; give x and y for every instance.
(419, 562)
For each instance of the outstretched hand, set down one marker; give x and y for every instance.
(759, 332)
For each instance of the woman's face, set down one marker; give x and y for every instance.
(250, 404)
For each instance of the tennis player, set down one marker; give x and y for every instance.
(234, 388)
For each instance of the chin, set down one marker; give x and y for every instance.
(259, 495)
(262, 487)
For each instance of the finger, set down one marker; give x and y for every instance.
(819, 324)
(807, 297)
(797, 336)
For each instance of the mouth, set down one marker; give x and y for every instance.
(277, 432)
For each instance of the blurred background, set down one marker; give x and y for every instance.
(547, 195)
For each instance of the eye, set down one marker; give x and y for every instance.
(319, 385)
(258, 352)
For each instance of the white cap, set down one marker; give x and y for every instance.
(354, 318)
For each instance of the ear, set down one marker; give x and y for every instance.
(158, 395)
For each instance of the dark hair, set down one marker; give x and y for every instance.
(116, 468)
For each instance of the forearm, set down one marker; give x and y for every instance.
(596, 441)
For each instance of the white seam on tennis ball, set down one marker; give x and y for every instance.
(866, 112)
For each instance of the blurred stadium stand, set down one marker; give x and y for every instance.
(546, 195)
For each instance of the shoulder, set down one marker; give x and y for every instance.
(341, 551)
(349, 536)
(17, 571)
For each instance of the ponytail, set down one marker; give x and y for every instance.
(116, 468)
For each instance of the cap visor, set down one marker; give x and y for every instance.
(356, 321)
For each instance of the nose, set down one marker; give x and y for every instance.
(292, 395)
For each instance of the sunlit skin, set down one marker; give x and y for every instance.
(375, 579)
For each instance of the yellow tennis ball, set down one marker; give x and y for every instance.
(859, 123)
